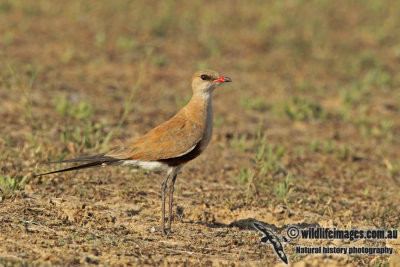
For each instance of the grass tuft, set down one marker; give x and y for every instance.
(283, 188)
(9, 183)
(302, 109)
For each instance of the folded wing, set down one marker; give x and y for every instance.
(171, 139)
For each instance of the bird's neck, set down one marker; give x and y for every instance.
(199, 109)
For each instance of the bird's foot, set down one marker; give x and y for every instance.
(166, 231)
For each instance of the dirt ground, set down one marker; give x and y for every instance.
(306, 134)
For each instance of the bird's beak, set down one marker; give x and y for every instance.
(222, 79)
(227, 79)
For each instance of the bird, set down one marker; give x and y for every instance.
(169, 146)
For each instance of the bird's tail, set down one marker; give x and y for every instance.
(93, 161)
(98, 157)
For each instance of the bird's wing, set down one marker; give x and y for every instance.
(171, 139)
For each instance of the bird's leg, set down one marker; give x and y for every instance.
(163, 188)
(171, 193)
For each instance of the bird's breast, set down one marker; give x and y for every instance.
(207, 120)
(208, 129)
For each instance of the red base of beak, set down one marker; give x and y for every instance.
(223, 79)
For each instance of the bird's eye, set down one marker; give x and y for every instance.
(204, 77)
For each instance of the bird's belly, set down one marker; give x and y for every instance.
(147, 165)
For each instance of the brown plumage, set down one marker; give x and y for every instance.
(170, 145)
(174, 137)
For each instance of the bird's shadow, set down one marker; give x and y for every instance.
(271, 233)
(248, 224)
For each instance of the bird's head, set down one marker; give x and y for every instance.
(205, 81)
